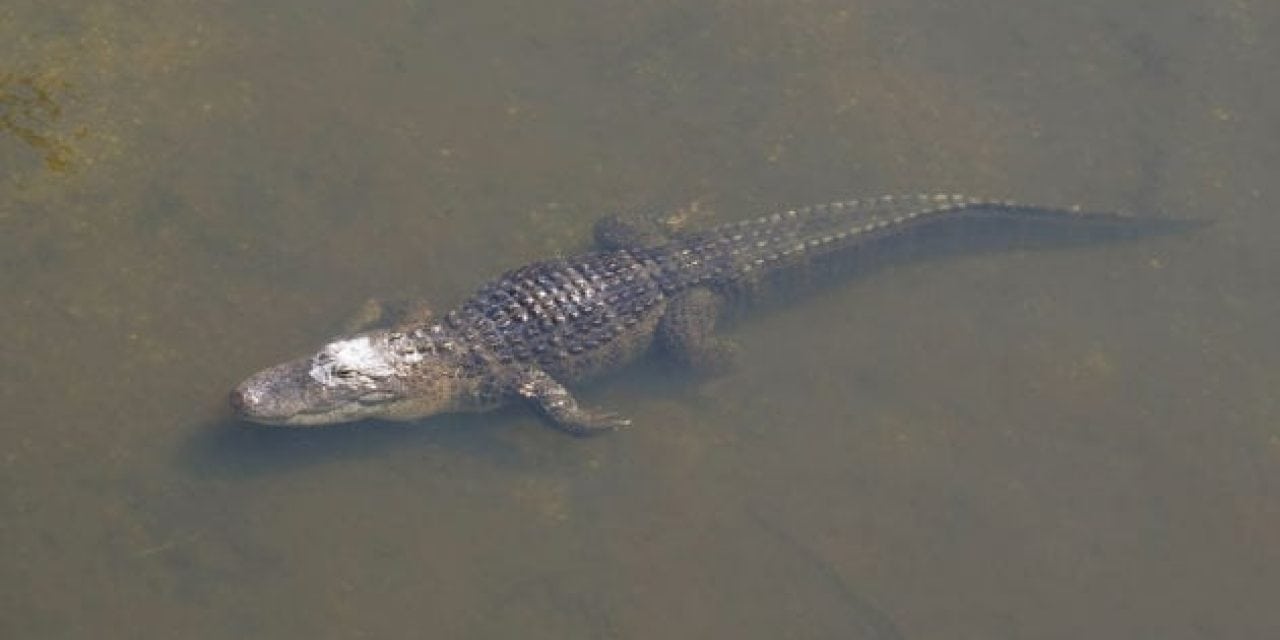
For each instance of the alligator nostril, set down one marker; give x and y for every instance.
(237, 399)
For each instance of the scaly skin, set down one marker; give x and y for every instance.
(525, 335)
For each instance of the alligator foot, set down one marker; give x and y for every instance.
(628, 231)
(380, 314)
(561, 408)
(645, 230)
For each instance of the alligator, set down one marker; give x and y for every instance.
(527, 334)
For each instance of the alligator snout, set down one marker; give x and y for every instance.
(271, 396)
(246, 402)
(239, 401)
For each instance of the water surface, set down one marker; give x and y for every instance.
(1051, 444)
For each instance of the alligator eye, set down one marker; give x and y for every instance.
(344, 373)
(376, 397)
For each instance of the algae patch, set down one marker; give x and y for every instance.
(31, 112)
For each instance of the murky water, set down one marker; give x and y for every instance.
(1047, 444)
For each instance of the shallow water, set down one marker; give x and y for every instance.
(1080, 442)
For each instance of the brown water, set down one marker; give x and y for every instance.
(1027, 444)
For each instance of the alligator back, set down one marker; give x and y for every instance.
(571, 317)
(577, 316)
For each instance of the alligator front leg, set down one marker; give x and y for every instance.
(377, 313)
(554, 401)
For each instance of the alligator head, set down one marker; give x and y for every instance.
(382, 374)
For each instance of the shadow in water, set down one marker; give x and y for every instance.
(230, 447)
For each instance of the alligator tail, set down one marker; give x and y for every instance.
(795, 235)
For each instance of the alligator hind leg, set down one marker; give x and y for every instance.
(687, 332)
(630, 231)
(561, 408)
(641, 230)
